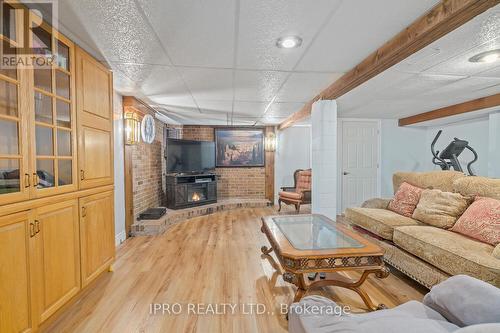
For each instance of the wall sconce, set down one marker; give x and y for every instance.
(270, 142)
(132, 128)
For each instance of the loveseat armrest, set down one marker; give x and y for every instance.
(381, 203)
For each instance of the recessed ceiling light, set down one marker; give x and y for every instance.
(289, 42)
(488, 56)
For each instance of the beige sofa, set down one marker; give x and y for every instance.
(425, 253)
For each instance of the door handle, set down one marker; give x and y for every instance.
(346, 173)
(35, 179)
(82, 174)
(37, 226)
(32, 229)
(84, 211)
(27, 180)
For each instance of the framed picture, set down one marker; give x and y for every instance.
(239, 147)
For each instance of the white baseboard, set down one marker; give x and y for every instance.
(120, 238)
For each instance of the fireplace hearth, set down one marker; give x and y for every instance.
(191, 190)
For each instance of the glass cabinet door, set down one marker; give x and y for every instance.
(54, 117)
(14, 173)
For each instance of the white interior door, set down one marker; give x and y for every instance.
(360, 162)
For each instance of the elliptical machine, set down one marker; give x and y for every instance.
(448, 158)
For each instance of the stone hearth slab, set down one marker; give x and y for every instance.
(172, 217)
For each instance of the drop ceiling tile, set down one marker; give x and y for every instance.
(208, 83)
(302, 87)
(255, 109)
(482, 29)
(123, 84)
(493, 72)
(194, 32)
(118, 30)
(463, 87)
(174, 100)
(460, 64)
(368, 91)
(257, 85)
(262, 22)
(283, 109)
(215, 106)
(357, 29)
(415, 85)
(241, 121)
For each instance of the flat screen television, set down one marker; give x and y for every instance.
(189, 156)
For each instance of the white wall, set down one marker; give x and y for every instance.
(293, 152)
(474, 131)
(494, 145)
(402, 149)
(119, 169)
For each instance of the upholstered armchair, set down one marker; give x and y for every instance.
(300, 193)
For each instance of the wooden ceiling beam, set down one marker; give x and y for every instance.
(440, 20)
(452, 110)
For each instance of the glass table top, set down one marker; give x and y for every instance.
(314, 232)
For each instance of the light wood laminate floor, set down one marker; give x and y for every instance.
(208, 260)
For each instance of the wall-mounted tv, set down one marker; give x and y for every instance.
(189, 156)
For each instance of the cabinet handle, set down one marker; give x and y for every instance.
(37, 226)
(26, 180)
(35, 179)
(82, 174)
(84, 211)
(32, 229)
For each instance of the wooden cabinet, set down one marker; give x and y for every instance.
(53, 118)
(38, 124)
(54, 257)
(15, 175)
(15, 294)
(95, 121)
(97, 232)
(56, 136)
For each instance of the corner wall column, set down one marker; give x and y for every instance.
(324, 158)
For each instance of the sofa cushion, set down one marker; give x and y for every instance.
(481, 186)
(405, 200)
(481, 221)
(449, 251)
(291, 195)
(381, 222)
(440, 209)
(477, 302)
(411, 317)
(441, 180)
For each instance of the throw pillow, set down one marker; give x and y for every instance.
(465, 301)
(405, 200)
(440, 209)
(481, 221)
(496, 251)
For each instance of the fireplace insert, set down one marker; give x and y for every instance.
(191, 190)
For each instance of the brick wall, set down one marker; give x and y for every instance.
(148, 167)
(233, 182)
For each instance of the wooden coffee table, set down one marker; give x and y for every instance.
(314, 243)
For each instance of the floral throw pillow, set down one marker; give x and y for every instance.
(481, 221)
(405, 200)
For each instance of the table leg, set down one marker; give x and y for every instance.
(356, 286)
(266, 250)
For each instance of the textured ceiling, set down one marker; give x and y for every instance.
(437, 76)
(215, 61)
